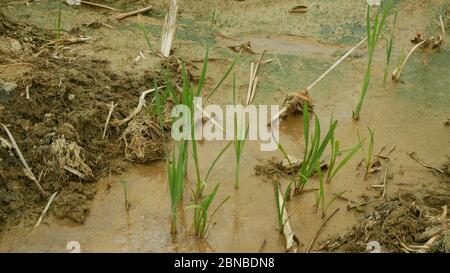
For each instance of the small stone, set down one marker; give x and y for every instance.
(7, 87)
(71, 97)
(15, 45)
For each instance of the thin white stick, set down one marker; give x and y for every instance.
(442, 26)
(27, 92)
(255, 80)
(138, 108)
(385, 179)
(255, 83)
(131, 13)
(6, 142)
(277, 115)
(75, 172)
(258, 63)
(45, 209)
(284, 109)
(398, 71)
(289, 234)
(100, 6)
(250, 84)
(111, 109)
(336, 64)
(27, 169)
(169, 29)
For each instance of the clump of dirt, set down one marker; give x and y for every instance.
(142, 140)
(274, 167)
(398, 227)
(271, 168)
(59, 128)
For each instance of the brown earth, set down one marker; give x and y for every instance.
(62, 123)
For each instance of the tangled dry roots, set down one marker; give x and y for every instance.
(294, 102)
(394, 224)
(143, 139)
(69, 154)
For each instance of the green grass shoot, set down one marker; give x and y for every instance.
(58, 25)
(202, 218)
(285, 154)
(373, 33)
(176, 172)
(125, 193)
(389, 47)
(225, 76)
(320, 195)
(314, 148)
(213, 20)
(144, 32)
(239, 138)
(333, 169)
(201, 204)
(281, 203)
(176, 160)
(368, 156)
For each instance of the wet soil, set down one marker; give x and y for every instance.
(62, 123)
(70, 96)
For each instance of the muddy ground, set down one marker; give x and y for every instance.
(72, 84)
(62, 123)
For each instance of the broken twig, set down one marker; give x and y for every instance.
(253, 82)
(45, 209)
(132, 13)
(26, 168)
(292, 241)
(111, 109)
(137, 109)
(398, 71)
(27, 92)
(320, 229)
(99, 6)
(6, 143)
(413, 156)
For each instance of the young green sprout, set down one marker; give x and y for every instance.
(176, 160)
(240, 136)
(176, 172)
(291, 166)
(201, 204)
(224, 77)
(58, 25)
(144, 32)
(320, 195)
(333, 169)
(373, 33)
(125, 193)
(281, 204)
(368, 156)
(389, 47)
(314, 148)
(202, 218)
(213, 20)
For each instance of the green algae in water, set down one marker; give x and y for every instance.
(426, 83)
